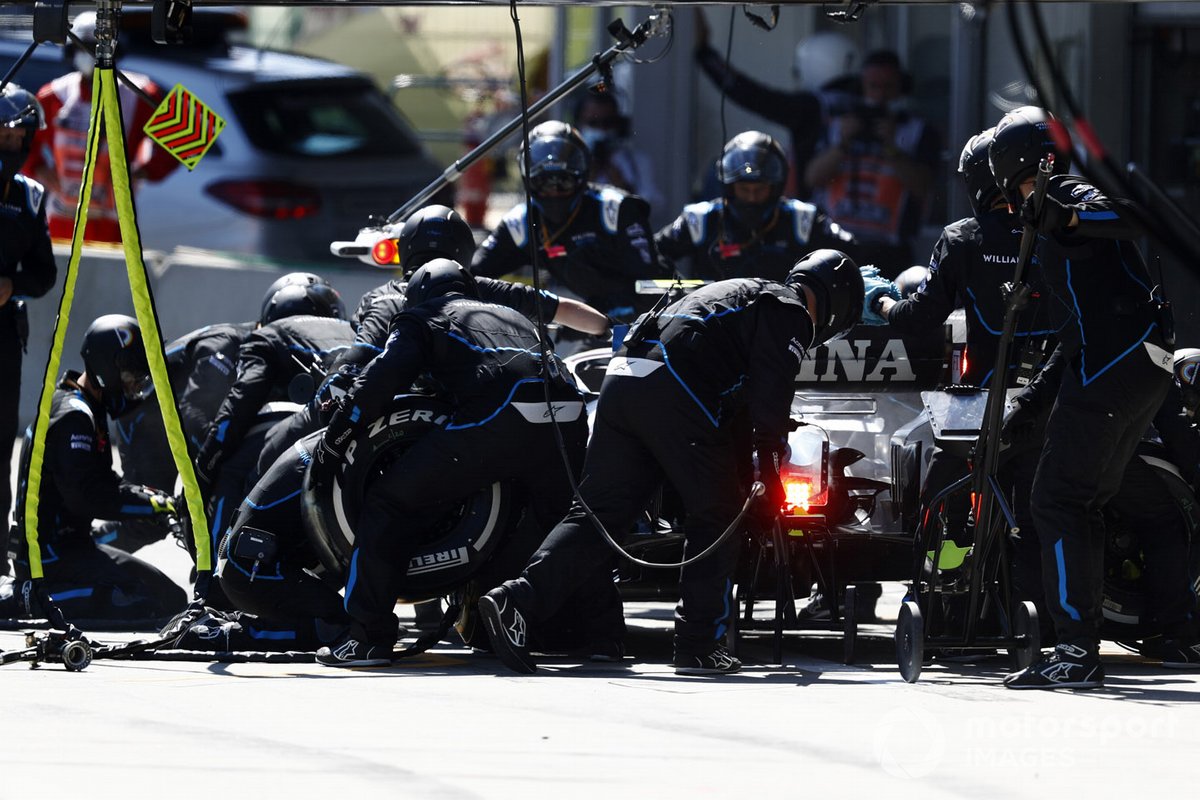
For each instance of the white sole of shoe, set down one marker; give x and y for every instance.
(1072, 685)
(366, 662)
(703, 671)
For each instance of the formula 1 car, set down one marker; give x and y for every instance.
(849, 399)
(856, 461)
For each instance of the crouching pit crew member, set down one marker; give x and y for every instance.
(679, 403)
(90, 581)
(486, 361)
(269, 572)
(432, 232)
(302, 329)
(1145, 503)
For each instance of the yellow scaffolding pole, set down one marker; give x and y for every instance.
(106, 117)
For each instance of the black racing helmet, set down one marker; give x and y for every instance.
(303, 299)
(302, 278)
(838, 285)
(277, 306)
(19, 108)
(114, 357)
(976, 171)
(435, 232)
(752, 156)
(436, 278)
(1020, 140)
(558, 168)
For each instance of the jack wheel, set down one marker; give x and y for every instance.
(733, 631)
(910, 641)
(849, 625)
(76, 656)
(1028, 636)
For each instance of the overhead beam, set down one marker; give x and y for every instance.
(830, 5)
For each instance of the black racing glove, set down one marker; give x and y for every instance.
(1019, 424)
(771, 452)
(332, 446)
(206, 474)
(328, 398)
(1055, 216)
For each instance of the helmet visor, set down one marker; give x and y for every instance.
(750, 165)
(133, 374)
(558, 183)
(136, 385)
(556, 155)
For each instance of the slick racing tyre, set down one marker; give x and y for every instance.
(1125, 608)
(451, 550)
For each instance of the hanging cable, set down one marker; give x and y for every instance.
(1173, 236)
(1100, 168)
(725, 237)
(725, 83)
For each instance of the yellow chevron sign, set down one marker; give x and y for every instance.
(184, 126)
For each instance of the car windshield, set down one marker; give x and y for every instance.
(323, 120)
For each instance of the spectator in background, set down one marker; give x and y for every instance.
(877, 167)
(615, 162)
(827, 66)
(57, 158)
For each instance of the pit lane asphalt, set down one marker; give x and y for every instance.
(454, 724)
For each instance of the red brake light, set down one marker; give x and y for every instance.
(267, 199)
(386, 251)
(799, 493)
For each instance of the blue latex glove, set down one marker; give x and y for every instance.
(869, 271)
(873, 289)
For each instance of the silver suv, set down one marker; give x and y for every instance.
(310, 148)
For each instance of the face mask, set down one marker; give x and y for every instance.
(751, 215)
(10, 164)
(11, 161)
